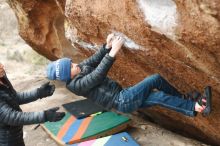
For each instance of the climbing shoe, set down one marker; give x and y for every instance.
(208, 97)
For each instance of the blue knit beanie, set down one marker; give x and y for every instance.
(59, 70)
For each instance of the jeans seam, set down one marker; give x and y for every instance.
(136, 93)
(188, 111)
(139, 91)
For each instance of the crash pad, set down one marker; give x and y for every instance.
(120, 139)
(83, 108)
(72, 130)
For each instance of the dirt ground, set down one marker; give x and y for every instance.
(26, 70)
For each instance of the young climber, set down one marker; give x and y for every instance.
(89, 79)
(12, 118)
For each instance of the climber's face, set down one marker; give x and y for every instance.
(75, 69)
(2, 70)
(2, 73)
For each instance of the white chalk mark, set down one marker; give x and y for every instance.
(130, 44)
(161, 15)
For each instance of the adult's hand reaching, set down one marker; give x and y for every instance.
(45, 90)
(52, 115)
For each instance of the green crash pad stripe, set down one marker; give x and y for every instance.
(103, 122)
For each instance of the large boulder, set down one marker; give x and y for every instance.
(41, 25)
(178, 39)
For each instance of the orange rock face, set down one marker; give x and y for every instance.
(41, 25)
(178, 39)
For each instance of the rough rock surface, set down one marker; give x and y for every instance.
(41, 25)
(178, 39)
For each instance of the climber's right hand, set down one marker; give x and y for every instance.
(116, 45)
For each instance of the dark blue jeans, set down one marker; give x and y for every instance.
(143, 95)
